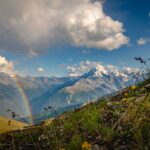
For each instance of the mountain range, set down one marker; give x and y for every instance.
(60, 93)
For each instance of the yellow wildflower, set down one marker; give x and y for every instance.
(133, 87)
(62, 149)
(86, 146)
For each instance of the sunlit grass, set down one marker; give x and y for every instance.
(13, 125)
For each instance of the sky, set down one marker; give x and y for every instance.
(55, 37)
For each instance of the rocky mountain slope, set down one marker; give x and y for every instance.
(82, 89)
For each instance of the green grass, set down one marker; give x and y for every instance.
(115, 124)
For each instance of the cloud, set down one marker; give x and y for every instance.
(6, 66)
(83, 67)
(40, 69)
(86, 66)
(143, 41)
(90, 27)
(131, 70)
(31, 26)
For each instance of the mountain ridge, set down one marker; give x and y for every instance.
(61, 91)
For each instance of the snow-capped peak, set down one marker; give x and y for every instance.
(100, 70)
(97, 69)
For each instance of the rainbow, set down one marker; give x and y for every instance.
(25, 99)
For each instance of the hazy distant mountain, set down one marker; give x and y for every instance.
(59, 92)
(11, 97)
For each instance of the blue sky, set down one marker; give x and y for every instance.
(133, 14)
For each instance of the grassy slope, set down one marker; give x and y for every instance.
(120, 123)
(14, 125)
(123, 122)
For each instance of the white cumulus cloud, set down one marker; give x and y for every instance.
(143, 41)
(6, 66)
(83, 67)
(40, 69)
(33, 25)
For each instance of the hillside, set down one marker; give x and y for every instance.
(9, 124)
(120, 122)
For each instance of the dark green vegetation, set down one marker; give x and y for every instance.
(121, 122)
